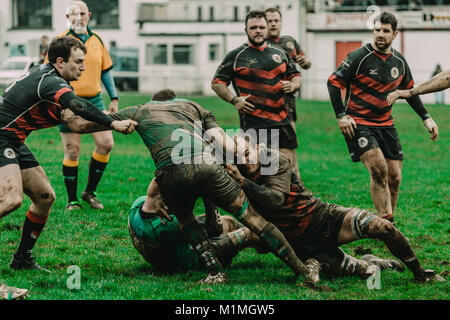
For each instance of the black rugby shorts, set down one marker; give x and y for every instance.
(371, 137)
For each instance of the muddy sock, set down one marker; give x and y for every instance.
(197, 237)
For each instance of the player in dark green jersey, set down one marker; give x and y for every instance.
(163, 245)
(177, 132)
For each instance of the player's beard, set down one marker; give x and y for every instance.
(383, 46)
(77, 27)
(256, 44)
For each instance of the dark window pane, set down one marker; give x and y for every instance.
(105, 13)
(156, 54)
(32, 14)
(213, 51)
(182, 54)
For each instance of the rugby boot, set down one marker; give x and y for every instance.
(215, 278)
(428, 275)
(313, 275)
(384, 264)
(91, 198)
(26, 262)
(73, 205)
(12, 293)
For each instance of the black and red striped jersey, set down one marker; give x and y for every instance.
(368, 76)
(258, 72)
(288, 44)
(32, 102)
(293, 217)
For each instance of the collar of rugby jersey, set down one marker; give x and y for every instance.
(82, 37)
(260, 48)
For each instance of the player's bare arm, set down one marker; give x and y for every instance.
(240, 103)
(347, 125)
(439, 82)
(303, 61)
(222, 141)
(291, 86)
(154, 202)
(113, 106)
(89, 112)
(432, 128)
(80, 125)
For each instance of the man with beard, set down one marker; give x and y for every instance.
(316, 229)
(98, 70)
(368, 75)
(293, 49)
(261, 76)
(185, 171)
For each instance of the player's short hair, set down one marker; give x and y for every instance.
(62, 47)
(164, 95)
(272, 10)
(387, 18)
(255, 14)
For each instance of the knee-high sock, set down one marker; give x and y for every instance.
(70, 174)
(272, 237)
(198, 238)
(212, 219)
(32, 228)
(97, 166)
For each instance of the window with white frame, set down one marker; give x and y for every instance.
(213, 51)
(156, 54)
(32, 14)
(182, 53)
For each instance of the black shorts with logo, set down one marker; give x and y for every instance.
(180, 186)
(16, 153)
(371, 137)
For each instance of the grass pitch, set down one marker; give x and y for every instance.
(98, 241)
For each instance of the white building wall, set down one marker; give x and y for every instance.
(125, 36)
(422, 50)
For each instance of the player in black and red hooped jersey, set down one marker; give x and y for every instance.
(41, 98)
(261, 76)
(368, 75)
(293, 49)
(316, 229)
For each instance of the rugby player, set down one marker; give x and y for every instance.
(293, 49)
(163, 245)
(439, 82)
(98, 70)
(185, 173)
(41, 98)
(261, 76)
(314, 228)
(368, 75)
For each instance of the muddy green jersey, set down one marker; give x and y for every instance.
(171, 130)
